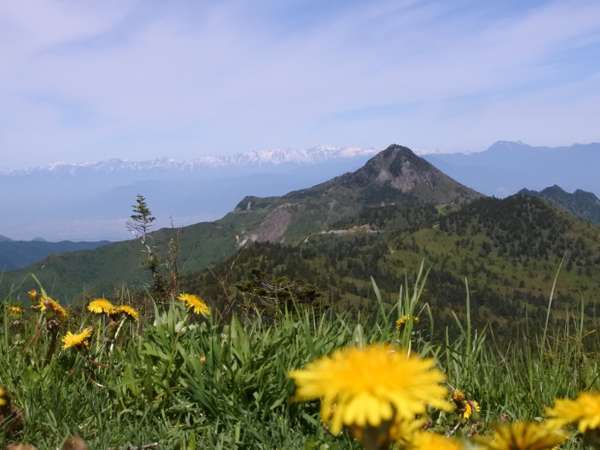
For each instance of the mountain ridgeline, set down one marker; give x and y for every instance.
(18, 254)
(394, 178)
(582, 204)
(90, 201)
(381, 220)
(506, 167)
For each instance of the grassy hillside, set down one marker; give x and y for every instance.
(107, 269)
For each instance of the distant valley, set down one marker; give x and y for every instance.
(18, 254)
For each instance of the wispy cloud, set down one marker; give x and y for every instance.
(140, 79)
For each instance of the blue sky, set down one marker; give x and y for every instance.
(84, 80)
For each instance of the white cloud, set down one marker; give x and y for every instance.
(171, 81)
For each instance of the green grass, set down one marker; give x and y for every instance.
(188, 383)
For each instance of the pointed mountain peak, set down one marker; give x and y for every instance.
(554, 189)
(396, 157)
(397, 165)
(397, 171)
(395, 151)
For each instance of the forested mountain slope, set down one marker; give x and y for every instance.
(508, 249)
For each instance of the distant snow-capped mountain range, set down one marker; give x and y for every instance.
(256, 158)
(91, 201)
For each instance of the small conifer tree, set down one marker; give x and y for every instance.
(141, 219)
(140, 225)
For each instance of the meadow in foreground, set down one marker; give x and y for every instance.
(177, 375)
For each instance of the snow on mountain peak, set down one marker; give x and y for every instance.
(265, 157)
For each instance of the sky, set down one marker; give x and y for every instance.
(84, 80)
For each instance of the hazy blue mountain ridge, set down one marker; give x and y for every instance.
(507, 167)
(18, 254)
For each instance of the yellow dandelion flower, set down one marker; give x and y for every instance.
(470, 407)
(3, 397)
(81, 339)
(101, 306)
(458, 395)
(431, 441)
(465, 408)
(195, 303)
(15, 310)
(47, 303)
(368, 386)
(523, 436)
(128, 311)
(583, 412)
(33, 295)
(405, 319)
